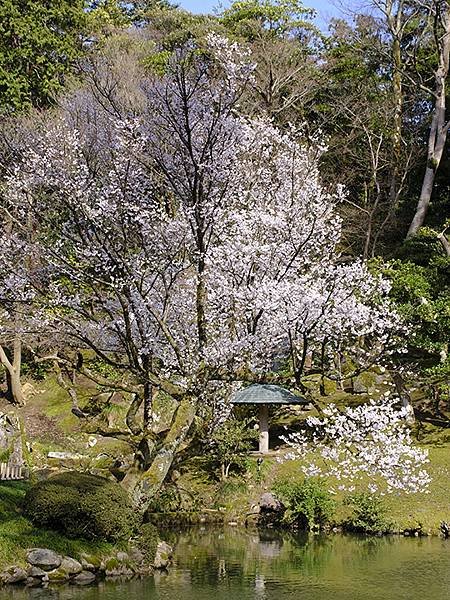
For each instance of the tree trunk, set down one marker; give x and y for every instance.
(143, 485)
(396, 26)
(439, 127)
(444, 242)
(404, 396)
(14, 392)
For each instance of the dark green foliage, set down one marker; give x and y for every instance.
(11, 496)
(230, 444)
(17, 533)
(107, 14)
(39, 41)
(170, 26)
(422, 249)
(368, 515)
(157, 63)
(251, 18)
(169, 498)
(421, 291)
(138, 9)
(81, 505)
(309, 505)
(147, 541)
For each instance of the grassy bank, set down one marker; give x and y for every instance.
(192, 488)
(17, 533)
(236, 497)
(227, 501)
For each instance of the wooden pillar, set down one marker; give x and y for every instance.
(264, 428)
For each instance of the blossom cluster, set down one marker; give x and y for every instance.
(368, 446)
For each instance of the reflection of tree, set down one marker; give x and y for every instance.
(222, 568)
(241, 557)
(270, 543)
(265, 554)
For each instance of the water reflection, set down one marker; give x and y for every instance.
(231, 564)
(260, 587)
(269, 543)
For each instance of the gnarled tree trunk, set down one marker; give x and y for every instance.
(143, 485)
(12, 367)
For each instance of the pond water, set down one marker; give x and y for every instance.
(236, 564)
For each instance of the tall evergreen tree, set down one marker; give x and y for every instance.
(39, 41)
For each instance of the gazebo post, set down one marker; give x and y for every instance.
(264, 428)
(262, 395)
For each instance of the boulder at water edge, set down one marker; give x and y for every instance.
(44, 559)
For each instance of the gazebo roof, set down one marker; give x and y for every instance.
(266, 394)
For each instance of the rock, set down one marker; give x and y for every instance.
(36, 572)
(57, 576)
(123, 557)
(13, 575)
(44, 559)
(44, 474)
(163, 555)
(359, 387)
(271, 510)
(64, 455)
(84, 578)
(112, 567)
(269, 502)
(87, 566)
(136, 556)
(71, 566)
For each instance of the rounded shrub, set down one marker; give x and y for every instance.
(369, 514)
(309, 504)
(81, 505)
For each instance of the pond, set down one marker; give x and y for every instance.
(237, 564)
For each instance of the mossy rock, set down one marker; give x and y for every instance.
(58, 576)
(112, 564)
(90, 562)
(81, 505)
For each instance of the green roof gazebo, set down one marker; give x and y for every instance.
(263, 395)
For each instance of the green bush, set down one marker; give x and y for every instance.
(308, 504)
(368, 514)
(230, 445)
(81, 505)
(147, 541)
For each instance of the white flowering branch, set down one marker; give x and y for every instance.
(367, 447)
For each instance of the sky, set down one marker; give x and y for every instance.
(325, 8)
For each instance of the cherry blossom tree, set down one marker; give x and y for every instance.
(187, 247)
